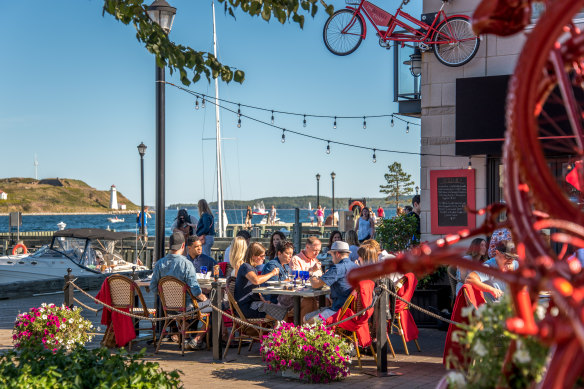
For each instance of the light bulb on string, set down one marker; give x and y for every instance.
(408, 128)
(328, 147)
(238, 110)
(283, 136)
(392, 122)
(239, 123)
(469, 164)
(203, 102)
(374, 157)
(197, 103)
(304, 121)
(272, 117)
(335, 123)
(364, 123)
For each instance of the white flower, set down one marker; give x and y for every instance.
(44, 317)
(540, 312)
(467, 311)
(456, 336)
(479, 349)
(98, 329)
(481, 310)
(521, 356)
(456, 379)
(71, 320)
(63, 326)
(43, 304)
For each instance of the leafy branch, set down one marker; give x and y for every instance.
(191, 64)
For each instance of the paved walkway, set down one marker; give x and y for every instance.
(420, 369)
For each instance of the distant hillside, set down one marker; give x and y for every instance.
(55, 195)
(298, 201)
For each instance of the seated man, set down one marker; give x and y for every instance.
(336, 279)
(505, 260)
(176, 265)
(196, 256)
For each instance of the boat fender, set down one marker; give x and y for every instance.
(19, 246)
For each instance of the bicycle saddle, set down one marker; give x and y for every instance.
(501, 17)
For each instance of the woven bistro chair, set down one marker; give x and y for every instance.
(243, 331)
(126, 295)
(406, 291)
(175, 297)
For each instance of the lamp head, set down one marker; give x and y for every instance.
(142, 149)
(333, 175)
(317, 176)
(161, 13)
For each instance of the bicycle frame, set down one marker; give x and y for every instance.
(429, 34)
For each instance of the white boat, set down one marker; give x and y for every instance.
(265, 220)
(88, 251)
(115, 219)
(259, 209)
(309, 206)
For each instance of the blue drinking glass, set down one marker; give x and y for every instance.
(203, 270)
(296, 274)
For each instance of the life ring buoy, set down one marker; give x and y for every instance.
(356, 204)
(19, 246)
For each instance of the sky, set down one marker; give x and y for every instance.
(78, 92)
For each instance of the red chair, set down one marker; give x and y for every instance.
(467, 296)
(404, 322)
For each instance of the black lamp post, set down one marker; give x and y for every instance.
(333, 175)
(317, 189)
(162, 14)
(142, 151)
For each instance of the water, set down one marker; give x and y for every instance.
(235, 216)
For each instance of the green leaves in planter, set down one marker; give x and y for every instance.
(398, 233)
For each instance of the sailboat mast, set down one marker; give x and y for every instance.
(218, 140)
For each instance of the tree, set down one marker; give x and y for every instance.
(399, 183)
(183, 58)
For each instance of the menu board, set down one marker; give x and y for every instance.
(452, 193)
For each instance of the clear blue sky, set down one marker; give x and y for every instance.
(77, 89)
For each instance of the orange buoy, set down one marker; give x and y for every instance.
(19, 246)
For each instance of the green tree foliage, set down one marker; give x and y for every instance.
(399, 183)
(398, 233)
(186, 60)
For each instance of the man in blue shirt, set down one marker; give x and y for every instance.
(196, 256)
(505, 259)
(336, 279)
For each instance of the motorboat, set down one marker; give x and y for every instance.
(265, 220)
(87, 251)
(115, 219)
(260, 209)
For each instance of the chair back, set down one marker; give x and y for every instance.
(405, 289)
(230, 289)
(359, 304)
(348, 302)
(173, 294)
(121, 291)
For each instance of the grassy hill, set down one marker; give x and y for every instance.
(58, 195)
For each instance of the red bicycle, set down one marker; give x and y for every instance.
(451, 37)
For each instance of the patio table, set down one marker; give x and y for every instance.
(297, 293)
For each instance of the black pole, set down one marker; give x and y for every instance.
(333, 223)
(142, 216)
(160, 146)
(317, 192)
(297, 230)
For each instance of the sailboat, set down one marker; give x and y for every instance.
(309, 206)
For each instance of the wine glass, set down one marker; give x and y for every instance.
(305, 276)
(204, 271)
(296, 274)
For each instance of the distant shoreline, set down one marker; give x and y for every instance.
(126, 212)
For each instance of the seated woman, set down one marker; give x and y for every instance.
(477, 251)
(237, 252)
(253, 305)
(284, 252)
(353, 241)
(275, 239)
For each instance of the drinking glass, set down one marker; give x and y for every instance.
(305, 276)
(203, 270)
(296, 274)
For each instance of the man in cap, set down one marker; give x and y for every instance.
(505, 259)
(336, 278)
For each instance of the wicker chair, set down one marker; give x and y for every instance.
(174, 295)
(354, 299)
(243, 332)
(397, 322)
(124, 294)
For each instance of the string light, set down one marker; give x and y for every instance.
(197, 103)
(238, 110)
(392, 123)
(203, 102)
(283, 136)
(272, 117)
(304, 121)
(328, 147)
(364, 123)
(335, 123)
(469, 164)
(239, 123)
(374, 157)
(408, 129)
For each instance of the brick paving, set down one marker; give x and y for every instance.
(419, 370)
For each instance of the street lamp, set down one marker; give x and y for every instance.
(415, 64)
(317, 189)
(142, 151)
(162, 14)
(333, 175)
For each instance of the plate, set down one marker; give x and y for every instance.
(273, 282)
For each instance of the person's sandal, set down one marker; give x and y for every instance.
(175, 338)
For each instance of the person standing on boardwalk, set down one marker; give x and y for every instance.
(139, 218)
(206, 226)
(272, 218)
(319, 215)
(365, 226)
(248, 216)
(416, 212)
(380, 212)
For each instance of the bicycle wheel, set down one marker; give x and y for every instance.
(464, 43)
(343, 32)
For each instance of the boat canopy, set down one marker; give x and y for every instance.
(94, 233)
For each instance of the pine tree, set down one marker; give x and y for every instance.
(399, 183)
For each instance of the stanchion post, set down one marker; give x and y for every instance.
(382, 346)
(297, 230)
(217, 321)
(68, 290)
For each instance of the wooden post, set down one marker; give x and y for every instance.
(68, 290)
(217, 322)
(297, 230)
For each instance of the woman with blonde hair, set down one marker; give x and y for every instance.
(237, 252)
(206, 226)
(253, 305)
(367, 255)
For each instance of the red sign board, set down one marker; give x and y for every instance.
(451, 193)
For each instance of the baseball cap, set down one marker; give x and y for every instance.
(507, 248)
(176, 240)
(340, 246)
